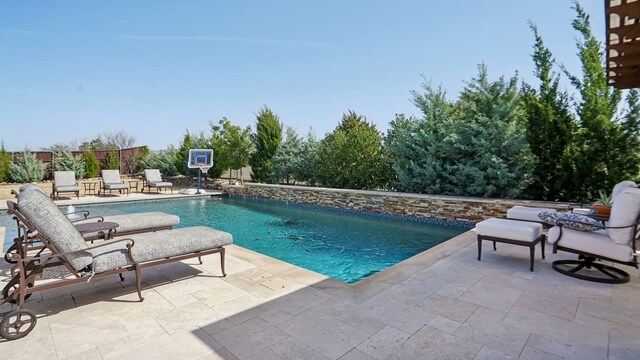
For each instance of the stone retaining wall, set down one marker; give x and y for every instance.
(451, 208)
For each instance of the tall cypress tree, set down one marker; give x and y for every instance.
(629, 139)
(597, 166)
(267, 140)
(5, 163)
(550, 128)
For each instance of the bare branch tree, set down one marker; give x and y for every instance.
(119, 139)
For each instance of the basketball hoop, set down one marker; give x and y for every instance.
(204, 168)
(201, 159)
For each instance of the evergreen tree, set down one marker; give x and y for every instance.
(163, 160)
(474, 147)
(491, 139)
(305, 168)
(288, 157)
(550, 128)
(353, 158)
(65, 161)
(423, 151)
(266, 140)
(91, 164)
(597, 140)
(182, 156)
(351, 119)
(5, 163)
(112, 162)
(27, 169)
(629, 139)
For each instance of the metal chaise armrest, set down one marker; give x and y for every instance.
(101, 219)
(129, 245)
(85, 212)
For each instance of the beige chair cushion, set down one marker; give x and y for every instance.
(509, 229)
(54, 226)
(619, 187)
(625, 212)
(526, 213)
(593, 242)
(64, 178)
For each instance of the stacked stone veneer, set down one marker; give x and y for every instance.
(451, 208)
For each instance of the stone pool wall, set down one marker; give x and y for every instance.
(451, 208)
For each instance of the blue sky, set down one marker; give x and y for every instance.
(72, 69)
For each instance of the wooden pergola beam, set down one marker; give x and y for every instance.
(623, 43)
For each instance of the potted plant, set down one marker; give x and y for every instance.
(603, 205)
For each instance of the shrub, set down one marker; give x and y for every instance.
(27, 169)
(112, 162)
(91, 164)
(5, 163)
(352, 156)
(164, 161)
(65, 161)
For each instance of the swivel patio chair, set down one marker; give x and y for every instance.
(40, 216)
(65, 182)
(152, 178)
(111, 181)
(616, 243)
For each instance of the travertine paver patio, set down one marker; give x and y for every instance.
(442, 303)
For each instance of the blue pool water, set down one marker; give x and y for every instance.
(344, 246)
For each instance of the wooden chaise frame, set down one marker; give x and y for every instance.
(23, 283)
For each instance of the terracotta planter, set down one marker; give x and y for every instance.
(602, 210)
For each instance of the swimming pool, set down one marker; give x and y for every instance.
(344, 246)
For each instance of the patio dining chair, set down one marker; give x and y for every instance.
(152, 178)
(65, 182)
(111, 181)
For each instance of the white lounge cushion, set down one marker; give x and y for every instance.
(625, 212)
(594, 242)
(67, 188)
(64, 178)
(526, 213)
(160, 184)
(138, 222)
(509, 229)
(111, 176)
(158, 245)
(621, 186)
(117, 186)
(152, 175)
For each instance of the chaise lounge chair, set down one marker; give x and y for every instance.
(128, 224)
(68, 248)
(152, 178)
(65, 182)
(616, 243)
(111, 181)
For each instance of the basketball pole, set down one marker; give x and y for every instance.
(199, 172)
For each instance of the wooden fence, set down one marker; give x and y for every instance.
(127, 158)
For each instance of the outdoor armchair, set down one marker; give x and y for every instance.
(65, 182)
(153, 178)
(111, 181)
(616, 242)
